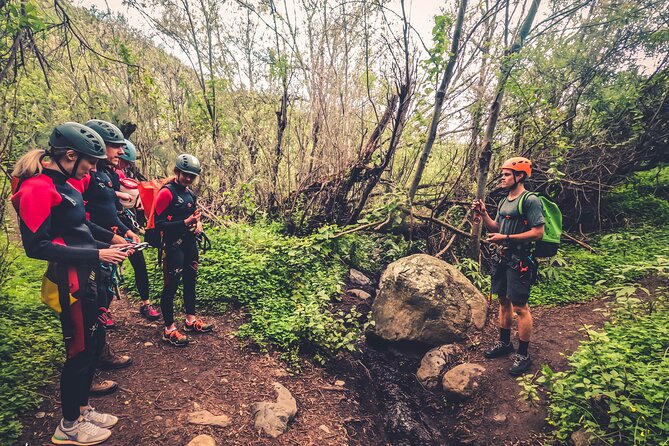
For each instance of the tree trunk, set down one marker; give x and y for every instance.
(495, 108)
(439, 99)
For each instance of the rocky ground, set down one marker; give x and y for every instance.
(372, 398)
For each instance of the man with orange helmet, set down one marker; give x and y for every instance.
(514, 267)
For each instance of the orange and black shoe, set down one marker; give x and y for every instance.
(198, 326)
(175, 338)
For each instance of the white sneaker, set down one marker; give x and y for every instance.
(104, 420)
(83, 433)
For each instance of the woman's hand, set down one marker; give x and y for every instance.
(198, 228)
(112, 255)
(132, 236)
(194, 218)
(124, 196)
(118, 240)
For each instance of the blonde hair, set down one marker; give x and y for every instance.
(30, 164)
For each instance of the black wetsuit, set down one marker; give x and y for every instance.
(54, 227)
(174, 204)
(102, 206)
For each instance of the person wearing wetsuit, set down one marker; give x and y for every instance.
(53, 226)
(129, 218)
(178, 220)
(102, 207)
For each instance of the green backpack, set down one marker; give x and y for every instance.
(548, 245)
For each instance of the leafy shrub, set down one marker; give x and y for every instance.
(642, 199)
(371, 252)
(580, 275)
(31, 347)
(618, 387)
(286, 284)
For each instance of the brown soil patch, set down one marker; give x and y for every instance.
(498, 415)
(216, 372)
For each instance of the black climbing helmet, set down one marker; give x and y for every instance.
(108, 131)
(78, 137)
(129, 152)
(188, 164)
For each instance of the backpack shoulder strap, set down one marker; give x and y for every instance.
(522, 199)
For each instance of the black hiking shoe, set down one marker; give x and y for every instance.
(499, 349)
(520, 364)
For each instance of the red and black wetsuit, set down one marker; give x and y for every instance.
(174, 204)
(54, 228)
(102, 206)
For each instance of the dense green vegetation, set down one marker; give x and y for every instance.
(289, 286)
(623, 256)
(617, 387)
(31, 348)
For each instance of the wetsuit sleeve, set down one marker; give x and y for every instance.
(162, 219)
(34, 207)
(100, 233)
(122, 228)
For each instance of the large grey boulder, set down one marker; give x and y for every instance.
(424, 299)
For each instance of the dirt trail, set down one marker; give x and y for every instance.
(220, 374)
(216, 372)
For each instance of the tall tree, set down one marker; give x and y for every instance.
(454, 52)
(495, 108)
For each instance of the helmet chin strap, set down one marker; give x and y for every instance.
(515, 182)
(62, 169)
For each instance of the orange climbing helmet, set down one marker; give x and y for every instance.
(519, 164)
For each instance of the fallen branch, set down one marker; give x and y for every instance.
(578, 242)
(380, 224)
(438, 222)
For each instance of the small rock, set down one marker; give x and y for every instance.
(360, 294)
(224, 380)
(279, 373)
(433, 364)
(359, 278)
(158, 418)
(462, 381)
(273, 417)
(583, 437)
(184, 380)
(339, 383)
(325, 429)
(40, 415)
(500, 418)
(209, 419)
(202, 440)
(148, 344)
(196, 406)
